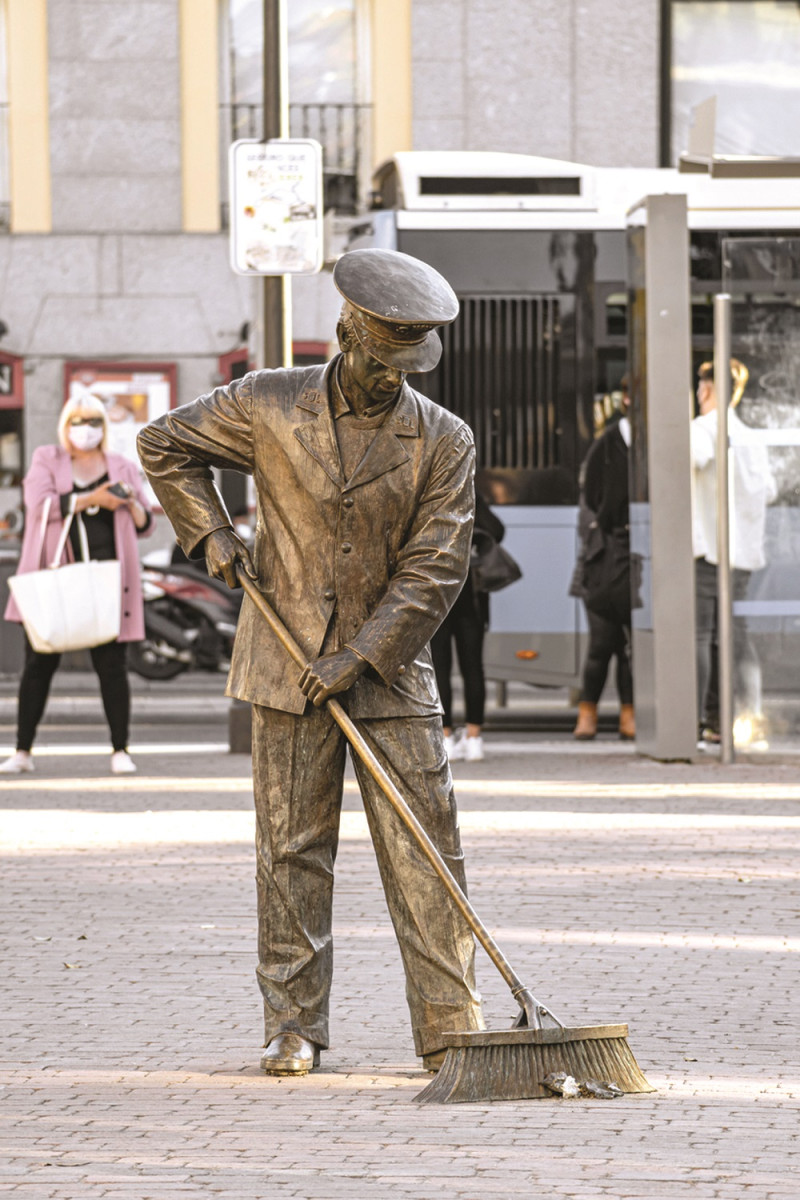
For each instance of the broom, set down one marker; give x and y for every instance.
(487, 1065)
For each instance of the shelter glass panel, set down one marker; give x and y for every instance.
(763, 277)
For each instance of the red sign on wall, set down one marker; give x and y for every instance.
(12, 393)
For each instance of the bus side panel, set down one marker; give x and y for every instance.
(535, 625)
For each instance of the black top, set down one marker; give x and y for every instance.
(486, 520)
(606, 484)
(99, 526)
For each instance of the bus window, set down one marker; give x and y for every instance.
(507, 369)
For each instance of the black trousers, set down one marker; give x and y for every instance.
(607, 639)
(464, 625)
(109, 662)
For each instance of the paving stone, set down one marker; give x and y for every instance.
(664, 895)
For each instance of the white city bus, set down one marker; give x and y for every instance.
(536, 250)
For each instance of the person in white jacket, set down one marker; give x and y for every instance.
(752, 489)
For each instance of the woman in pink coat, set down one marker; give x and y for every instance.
(80, 476)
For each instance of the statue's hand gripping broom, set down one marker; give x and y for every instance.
(488, 1065)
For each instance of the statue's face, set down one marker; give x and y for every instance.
(372, 378)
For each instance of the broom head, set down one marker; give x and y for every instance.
(511, 1065)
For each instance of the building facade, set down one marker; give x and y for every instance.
(114, 261)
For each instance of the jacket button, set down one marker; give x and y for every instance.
(330, 594)
(348, 502)
(401, 670)
(346, 547)
(126, 589)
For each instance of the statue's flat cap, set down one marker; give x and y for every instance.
(396, 303)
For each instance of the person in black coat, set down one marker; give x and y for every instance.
(606, 595)
(465, 625)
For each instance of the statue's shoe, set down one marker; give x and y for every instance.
(432, 1062)
(290, 1054)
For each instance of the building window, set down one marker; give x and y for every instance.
(327, 92)
(747, 54)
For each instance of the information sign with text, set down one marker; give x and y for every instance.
(276, 206)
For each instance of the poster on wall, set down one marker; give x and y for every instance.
(133, 395)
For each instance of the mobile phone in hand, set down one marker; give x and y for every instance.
(122, 490)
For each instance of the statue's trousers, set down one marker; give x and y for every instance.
(298, 769)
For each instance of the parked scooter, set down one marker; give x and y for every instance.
(189, 621)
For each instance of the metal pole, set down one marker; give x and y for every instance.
(722, 385)
(276, 292)
(274, 305)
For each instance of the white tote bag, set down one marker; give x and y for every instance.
(70, 607)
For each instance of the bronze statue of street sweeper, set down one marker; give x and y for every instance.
(365, 506)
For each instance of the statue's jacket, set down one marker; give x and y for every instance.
(375, 561)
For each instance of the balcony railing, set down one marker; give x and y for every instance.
(343, 131)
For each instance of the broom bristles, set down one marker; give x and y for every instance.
(512, 1065)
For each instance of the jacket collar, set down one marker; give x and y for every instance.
(385, 452)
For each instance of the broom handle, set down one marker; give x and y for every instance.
(535, 1012)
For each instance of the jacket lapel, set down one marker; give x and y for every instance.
(318, 436)
(63, 471)
(386, 450)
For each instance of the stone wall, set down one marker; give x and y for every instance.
(117, 279)
(117, 297)
(569, 79)
(114, 115)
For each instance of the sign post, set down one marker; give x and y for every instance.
(275, 293)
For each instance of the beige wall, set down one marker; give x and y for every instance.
(28, 116)
(199, 89)
(390, 31)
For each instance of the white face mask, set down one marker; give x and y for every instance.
(85, 437)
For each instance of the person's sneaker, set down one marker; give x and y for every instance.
(453, 746)
(18, 764)
(122, 763)
(710, 735)
(750, 732)
(473, 748)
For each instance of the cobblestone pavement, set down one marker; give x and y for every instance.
(666, 896)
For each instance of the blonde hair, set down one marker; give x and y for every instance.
(86, 403)
(739, 377)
